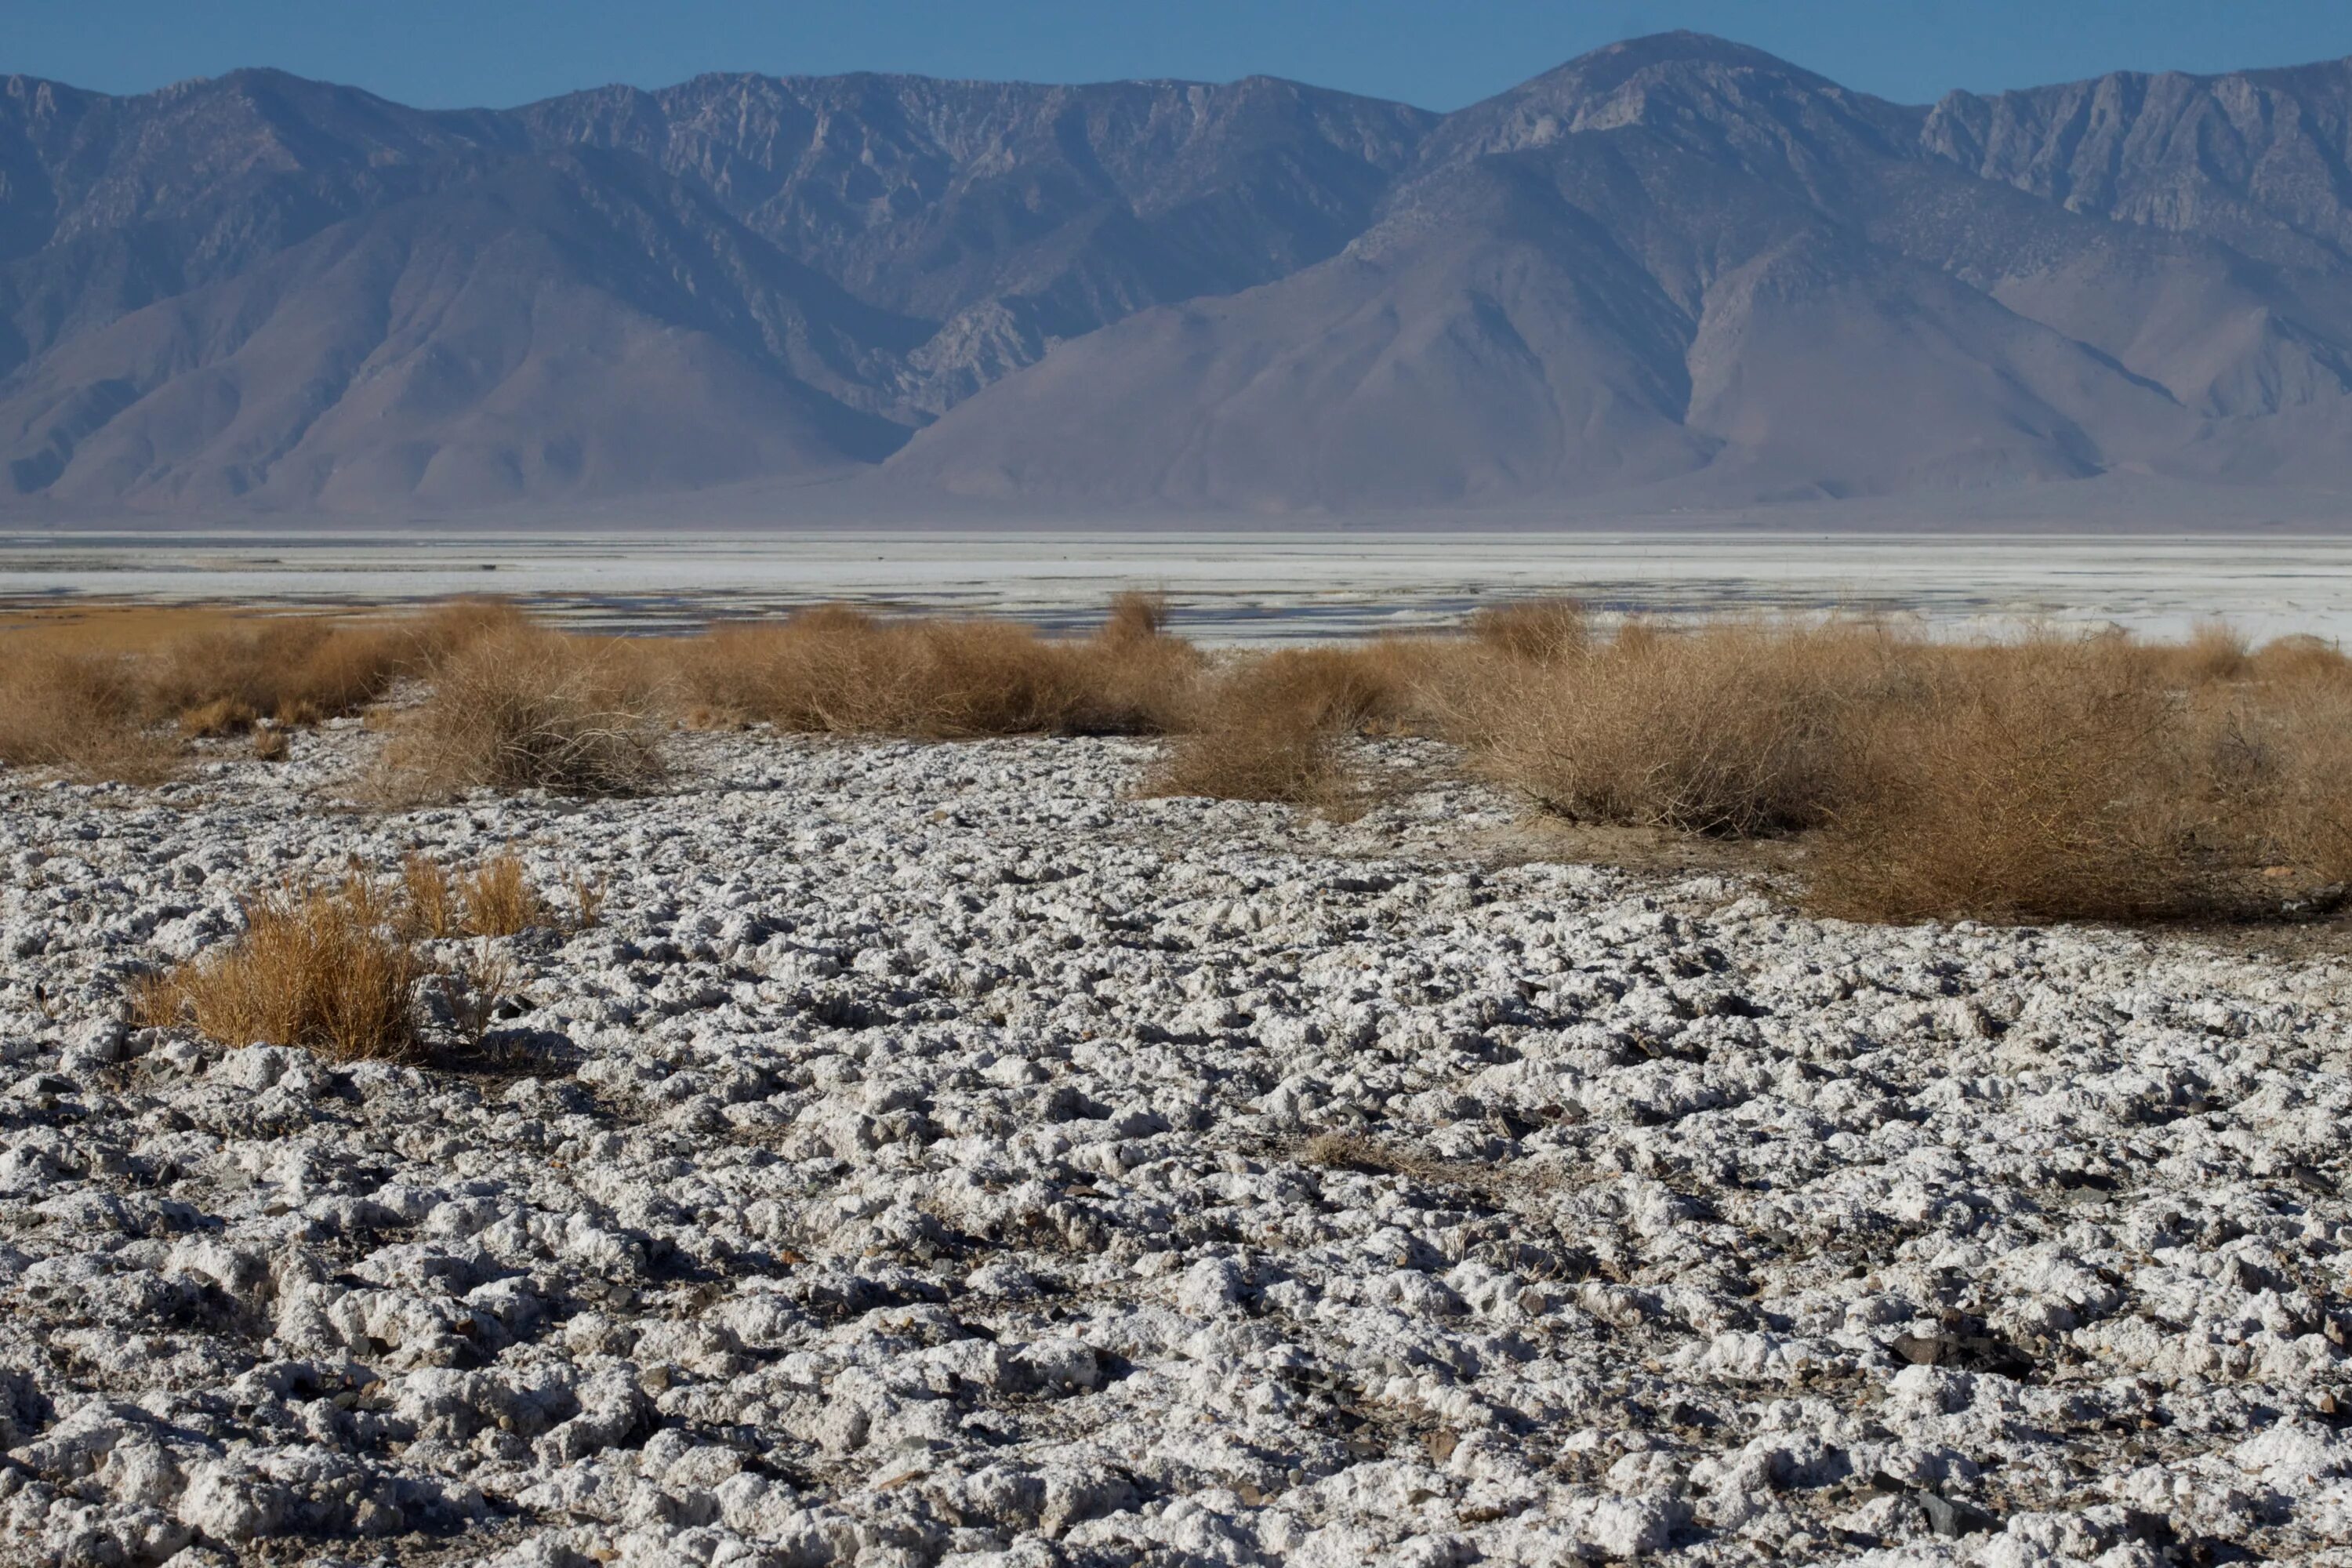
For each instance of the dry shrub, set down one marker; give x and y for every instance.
(588, 896)
(2051, 780)
(519, 707)
(1737, 729)
(2214, 651)
(94, 695)
(296, 670)
(835, 671)
(270, 745)
(316, 967)
(80, 713)
(455, 625)
(1535, 630)
(1270, 727)
(2300, 660)
(2279, 751)
(495, 899)
(1134, 617)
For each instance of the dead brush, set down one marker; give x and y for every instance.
(1536, 631)
(2050, 781)
(521, 708)
(1274, 727)
(316, 967)
(588, 895)
(1737, 730)
(836, 671)
(81, 714)
(2215, 651)
(431, 905)
(294, 670)
(500, 899)
(2276, 754)
(494, 899)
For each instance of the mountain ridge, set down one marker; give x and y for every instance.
(1675, 270)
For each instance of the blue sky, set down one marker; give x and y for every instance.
(1440, 54)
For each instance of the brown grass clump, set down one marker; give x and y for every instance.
(431, 905)
(2214, 651)
(1273, 726)
(221, 716)
(1739, 729)
(495, 897)
(835, 671)
(1134, 617)
(93, 692)
(296, 671)
(500, 899)
(1535, 630)
(2051, 777)
(2051, 780)
(80, 712)
(519, 707)
(316, 967)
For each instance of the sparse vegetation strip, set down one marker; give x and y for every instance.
(2048, 775)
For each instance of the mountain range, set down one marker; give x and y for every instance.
(1675, 272)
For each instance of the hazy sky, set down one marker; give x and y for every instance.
(1440, 54)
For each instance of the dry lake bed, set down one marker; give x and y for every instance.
(937, 1155)
(940, 1154)
(1233, 586)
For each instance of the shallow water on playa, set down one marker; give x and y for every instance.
(1230, 587)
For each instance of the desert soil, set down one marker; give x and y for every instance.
(937, 1155)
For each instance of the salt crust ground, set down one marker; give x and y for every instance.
(913, 1171)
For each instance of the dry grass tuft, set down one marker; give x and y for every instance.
(1739, 729)
(2214, 651)
(1134, 617)
(102, 694)
(1271, 727)
(294, 670)
(1537, 631)
(80, 713)
(335, 969)
(2050, 778)
(1274, 726)
(500, 899)
(519, 707)
(316, 967)
(431, 905)
(221, 716)
(495, 897)
(835, 671)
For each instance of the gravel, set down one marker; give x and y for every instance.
(935, 1155)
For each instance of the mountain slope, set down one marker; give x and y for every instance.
(559, 326)
(1016, 215)
(1669, 281)
(1674, 271)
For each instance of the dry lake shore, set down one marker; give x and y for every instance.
(937, 1154)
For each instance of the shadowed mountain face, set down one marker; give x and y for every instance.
(1676, 272)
